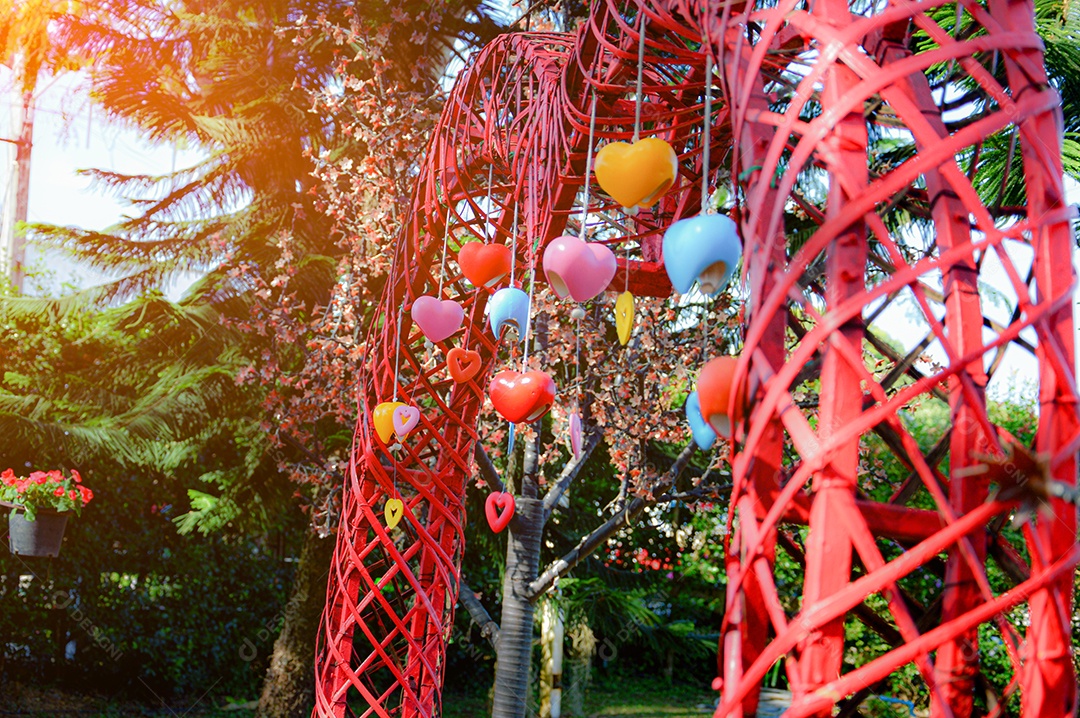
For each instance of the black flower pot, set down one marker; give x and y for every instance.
(40, 537)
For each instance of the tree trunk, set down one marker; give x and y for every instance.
(514, 652)
(17, 208)
(289, 687)
(551, 651)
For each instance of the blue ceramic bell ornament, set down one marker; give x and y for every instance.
(704, 249)
(509, 309)
(704, 436)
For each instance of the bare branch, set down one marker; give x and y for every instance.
(569, 473)
(488, 628)
(487, 468)
(599, 537)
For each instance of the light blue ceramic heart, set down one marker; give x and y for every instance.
(508, 308)
(704, 436)
(704, 249)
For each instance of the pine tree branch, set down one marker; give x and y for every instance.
(609, 528)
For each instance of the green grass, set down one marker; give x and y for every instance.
(613, 697)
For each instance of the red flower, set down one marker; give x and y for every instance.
(75, 475)
(87, 494)
(59, 491)
(38, 477)
(73, 494)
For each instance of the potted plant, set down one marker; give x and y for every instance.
(40, 505)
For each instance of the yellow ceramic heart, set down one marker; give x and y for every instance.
(638, 174)
(624, 316)
(393, 511)
(383, 419)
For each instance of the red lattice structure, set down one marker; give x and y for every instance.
(802, 89)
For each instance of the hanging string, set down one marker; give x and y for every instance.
(530, 233)
(397, 350)
(588, 167)
(488, 224)
(706, 147)
(706, 135)
(640, 72)
(445, 239)
(513, 243)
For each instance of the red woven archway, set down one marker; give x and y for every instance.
(518, 115)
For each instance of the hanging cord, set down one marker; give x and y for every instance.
(397, 351)
(640, 73)
(445, 239)
(488, 224)
(588, 168)
(513, 244)
(530, 234)
(706, 135)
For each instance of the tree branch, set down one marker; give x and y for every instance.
(569, 473)
(609, 528)
(488, 628)
(487, 468)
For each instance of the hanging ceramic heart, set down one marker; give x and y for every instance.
(405, 419)
(393, 511)
(578, 269)
(522, 397)
(636, 175)
(484, 265)
(624, 316)
(383, 419)
(704, 249)
(463, 364)
(509, 309)
(715, 386)
(499, 501)
(575, 435)
(437, 319)
(704, 436)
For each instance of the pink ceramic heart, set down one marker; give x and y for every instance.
(575, 435)
(578, 269)
(437, 319)
(405, 420)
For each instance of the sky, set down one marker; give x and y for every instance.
(70, 135)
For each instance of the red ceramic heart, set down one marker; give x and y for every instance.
(522, 397)
(484, 264)
(716, 384)
(499, 501)
(578, 269)
(463, 364)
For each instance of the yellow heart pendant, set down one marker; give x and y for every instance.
(393, 511)
(383, 419)
(624, 316)
(639, 174)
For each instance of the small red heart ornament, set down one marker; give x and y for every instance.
(499, 501)
(522, 397)
(463, 364)
(484, 264)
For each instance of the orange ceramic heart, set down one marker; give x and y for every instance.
(484, 264)
(463, 364)
(716, 384)
(638, 174)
